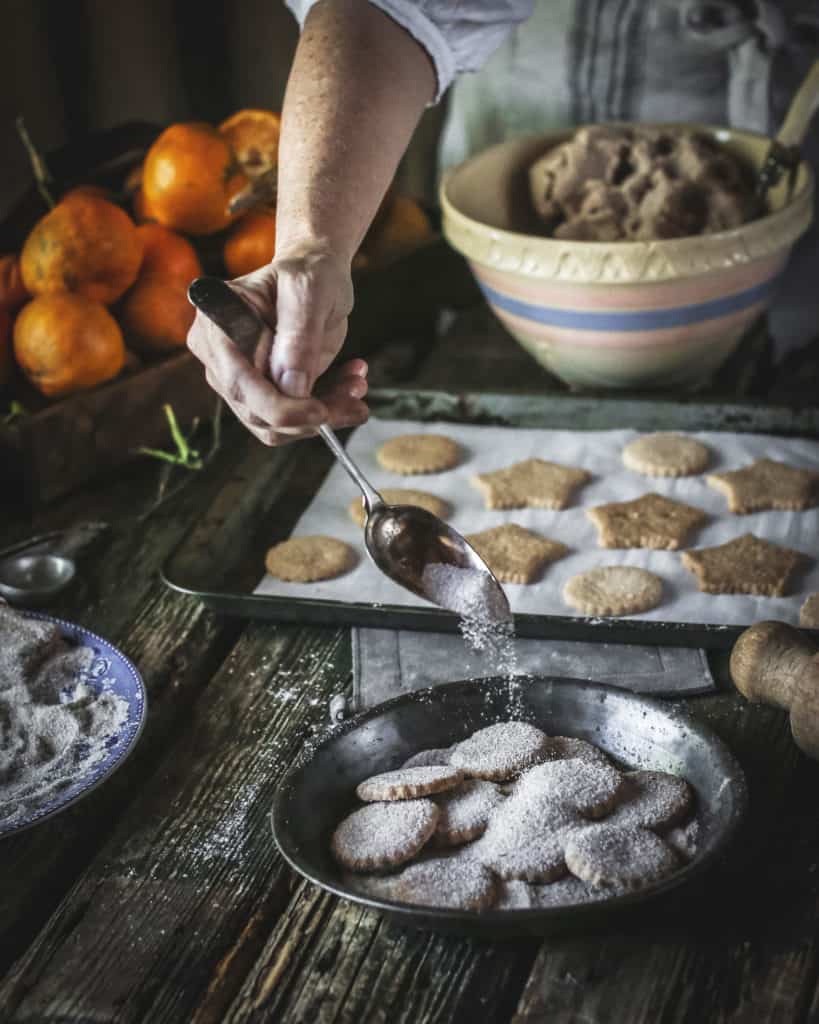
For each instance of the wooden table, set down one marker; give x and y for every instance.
(161, 897)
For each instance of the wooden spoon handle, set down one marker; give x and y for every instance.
(800, 113)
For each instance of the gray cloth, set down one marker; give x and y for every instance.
(388, 662)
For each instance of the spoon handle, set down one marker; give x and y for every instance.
(243, 325)
(800, 113)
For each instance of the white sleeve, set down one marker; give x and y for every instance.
(458, 35)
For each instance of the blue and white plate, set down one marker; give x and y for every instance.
(110, 672)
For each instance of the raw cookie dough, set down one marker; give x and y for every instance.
(666, 454)
(419, 453)
(613, 590)
(609, 183)
(308, 559)
(652, 521)
(514, 554)
(500, 751)
(745, 565)
(627, 857)
(767, 484)
(401, 496)
(408, 783)
(384, 835)
(533, 483)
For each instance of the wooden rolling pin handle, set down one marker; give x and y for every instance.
(774, 663)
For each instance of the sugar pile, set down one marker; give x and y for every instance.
(54, 726)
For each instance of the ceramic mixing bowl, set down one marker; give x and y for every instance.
(658, 314)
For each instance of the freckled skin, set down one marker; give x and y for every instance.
(357, 87)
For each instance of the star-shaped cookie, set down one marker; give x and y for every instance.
(745, 565)
(533, 483)
(652, 521)
(767, 484)
(514, 554)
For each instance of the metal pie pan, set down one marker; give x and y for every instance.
(638, 731)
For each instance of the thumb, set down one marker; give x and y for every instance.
(304, 308)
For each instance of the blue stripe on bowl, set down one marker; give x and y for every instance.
(643, 320)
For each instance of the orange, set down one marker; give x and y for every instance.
(189, 177)
(253, 135)
(85, 245)
(139, 206)
(167, 254)
(251, 244)
(12, 290)
(89, 190)
(6, 358)
(403, 227)
(156, 315)
(65, 342)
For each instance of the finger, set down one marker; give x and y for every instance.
(309, 326)
(347, 412)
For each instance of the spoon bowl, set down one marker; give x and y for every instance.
(34, 579)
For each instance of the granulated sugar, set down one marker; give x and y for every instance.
(486, 624)
(53, 726)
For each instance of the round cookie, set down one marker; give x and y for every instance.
(652, 800)
(429, 758)
(500, 751)
(613, 590)
(308, 559)
(666, 454)
(627, 857)
(809, 612)
(582, 787)
(408, 783)
(458, 882)
(409, 454)
(465, 811)
(400, 496)
(384, 835)
(564, 892)
(563, 748)
(526, 838)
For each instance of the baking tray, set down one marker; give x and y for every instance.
(636, 731)
(220, 561)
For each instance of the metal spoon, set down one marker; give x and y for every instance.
(36, 570)
(410, 545)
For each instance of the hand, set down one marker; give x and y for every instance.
(305, 300)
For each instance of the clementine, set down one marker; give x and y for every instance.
(85, 245)
(6, 358)
(140, 208)
(12, 290)
(156, 314)
(66, 342)
(167, 254)
(189, 177)
(403, 227)
(89, 190)
(253, 135)
(251, 244)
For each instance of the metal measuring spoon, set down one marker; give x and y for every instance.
(410, 545)
(36, 570)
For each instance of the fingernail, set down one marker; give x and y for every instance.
(294, 383)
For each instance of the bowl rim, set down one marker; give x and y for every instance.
(544, 257)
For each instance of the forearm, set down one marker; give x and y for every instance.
(358, 85)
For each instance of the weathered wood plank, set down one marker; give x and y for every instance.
(329, 960)
(159, 918)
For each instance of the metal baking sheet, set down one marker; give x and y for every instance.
(205, 573)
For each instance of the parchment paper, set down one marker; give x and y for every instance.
(488, 448)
